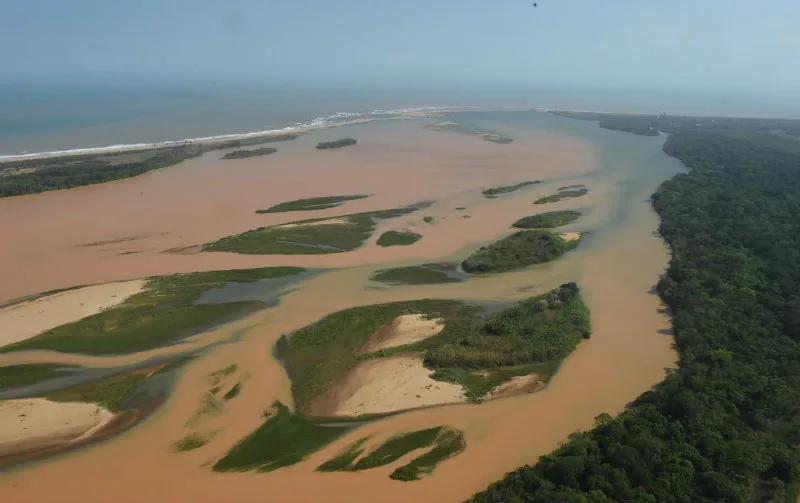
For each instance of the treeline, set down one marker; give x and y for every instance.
(725, 427)
(344, 142)
(65, 173)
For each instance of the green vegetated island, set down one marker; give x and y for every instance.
(31, 176)
(343, 142)
(398, 238)
(454, 127)
(476, 350)
(313, 203)
(425, 274)
(549, 220)
(496, 191)
(723, 426)
(519, 250)
(244, 154)
(563, 193)
(309, 237)
(164, 312)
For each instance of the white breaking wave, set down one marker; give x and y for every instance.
(335, 120)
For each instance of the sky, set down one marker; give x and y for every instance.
(704, 44)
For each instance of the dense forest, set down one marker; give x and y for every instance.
(68, 172)
(724, 427)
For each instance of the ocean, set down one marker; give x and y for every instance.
(53, 115)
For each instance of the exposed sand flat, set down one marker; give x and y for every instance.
(37, 423)
(570, 236)
(405, 329)
(28, 319)
(516, 385)
(388, 385)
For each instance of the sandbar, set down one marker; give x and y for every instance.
(37, 423)
(30, 318)
(405, 329)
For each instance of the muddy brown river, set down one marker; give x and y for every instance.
(617, 264)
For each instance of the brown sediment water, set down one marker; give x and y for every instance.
(616, 265)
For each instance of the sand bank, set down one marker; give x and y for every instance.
(570, 236)
(405, 329)
(27, 319)
(37, 423)
(517, 385)
(387, 385)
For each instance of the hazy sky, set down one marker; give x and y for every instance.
(741, 43)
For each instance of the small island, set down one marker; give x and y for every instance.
(344, 142)
(397, 238)
(561, 195)
(313, 203)
(244, 154)
(549, 220)
(519, 250)
(496, 191)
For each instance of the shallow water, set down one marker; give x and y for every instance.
(616, 266)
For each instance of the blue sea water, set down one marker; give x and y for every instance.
(52, 115)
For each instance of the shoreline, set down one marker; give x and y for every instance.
(316, 124)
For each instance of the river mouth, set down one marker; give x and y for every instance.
(616, 265)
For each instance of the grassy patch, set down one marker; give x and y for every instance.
(521, 249)
(548, 220)
(397, 238)
(479, 353)
(425, 274)
(283, 440)
(218, 375)
(108, 393)
(233, 392)
(255, 140)
(312, 203)
(496, 191)
(344, 142)
(320, 238)
(449, 443)
(427, 220)
(561, 195)
(163, 313)
(244, 154)
(445, 443)
(23, 375)
(190, 442)
(343, 461)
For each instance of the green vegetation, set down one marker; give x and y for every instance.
(283, 440)
(521, 249)
(243, 154)
(218, 375)
(397, 238)
(161, 314)
(233, 392)
(255, 140)
(312, 203)
(320, 238)
(539, 330)
(449, 443)
(344, 142)
(445, 443)
(496, 138)
(23, 375)
(478, 383)
(548, 220)
(190, 442)
(561, 195)
(427, 220)
(108, 392)
(32, 176)
(425, 274)
(724, 425)
(496, 191)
